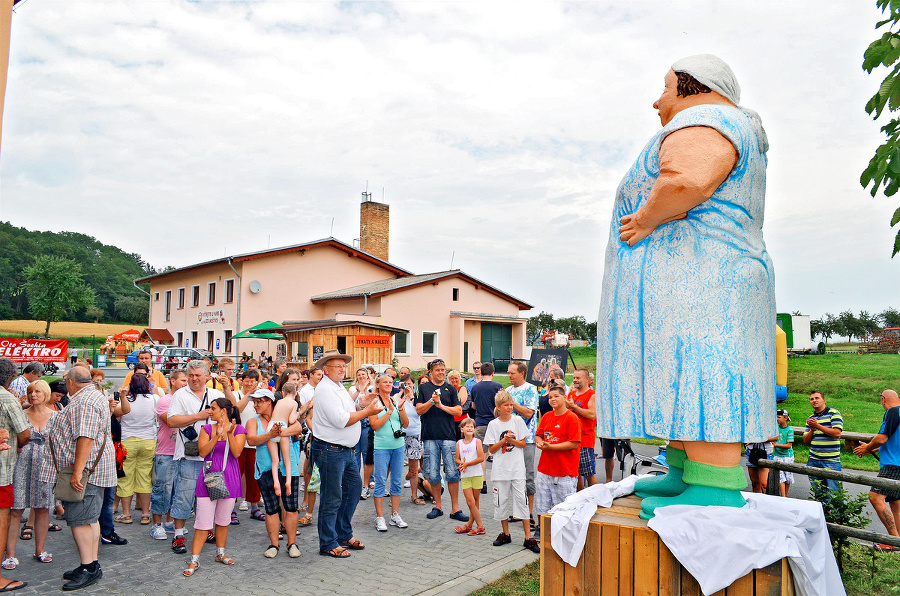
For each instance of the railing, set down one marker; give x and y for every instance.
(851, 477)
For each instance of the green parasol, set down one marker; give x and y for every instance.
(259, 332)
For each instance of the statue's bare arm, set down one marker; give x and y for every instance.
(693, 163)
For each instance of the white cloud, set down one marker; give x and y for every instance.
(498, 130)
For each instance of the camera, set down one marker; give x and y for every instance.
(399, 433)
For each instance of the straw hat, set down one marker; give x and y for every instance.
(332, 355)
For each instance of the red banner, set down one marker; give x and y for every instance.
(373, 341)
(38, 350)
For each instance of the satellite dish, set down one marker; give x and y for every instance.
(255, 287)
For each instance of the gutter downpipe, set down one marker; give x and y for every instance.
(237, 317)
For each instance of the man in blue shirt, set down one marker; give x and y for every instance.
(886, 502)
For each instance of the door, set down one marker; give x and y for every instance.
(465, 356)
(496, 344)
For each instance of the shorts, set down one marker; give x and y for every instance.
(893, 473)
(272, 502)
(509, 499)
(415, 449)
(209, 511)
(474, 482)
(610, 448)
(530, 469)
(552, 490)
(586, 465)
(137, 467)
(6, 496)
(435, 451)
(86, 511)
(785, 477)
(480, 431)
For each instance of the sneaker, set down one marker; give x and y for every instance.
(365, 493)
(396, 520)
(435, 512)
(459, 516)
(502, 539)
(371, 484)
(380, 525)
(484, 488)
(178, 545)
(158, 532)
(113, 538)
(293, 551)
(170, 527)
(407, 484)
(210, 537)
(245, 506)
(532, 545)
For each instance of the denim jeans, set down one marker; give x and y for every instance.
(164, 486)
(816, 483)
(434, 451)
(362, 448)
(106, 514)
(338, 493)
(186, 474)
(394, 459)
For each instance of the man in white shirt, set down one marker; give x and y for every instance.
(336, 430)
(306, 393)
(188, 412)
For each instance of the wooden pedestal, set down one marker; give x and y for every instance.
(623, 557)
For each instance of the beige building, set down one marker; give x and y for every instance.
(447, 314)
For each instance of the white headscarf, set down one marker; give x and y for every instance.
(713, 72)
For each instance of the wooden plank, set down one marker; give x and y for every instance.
(618, 510)
(609, 563)
(592, 558)
(669, 571)
(689, 585)
(646, 563)
(626, 561)
(787, 579)
(552, 572)
(768, 580)
(742, 586)
(574, 577)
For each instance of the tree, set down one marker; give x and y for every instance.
(132, 309)
(869, 322)
(94, 313)
(850, 325)
(890, 317)
(55, 288)
(884, 167)
(536, 324)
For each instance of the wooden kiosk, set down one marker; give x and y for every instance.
(367, 343)
(623, 557)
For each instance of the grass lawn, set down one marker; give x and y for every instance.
(520, 582)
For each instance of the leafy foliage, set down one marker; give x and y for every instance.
(841, 509)
(851, 325)
(576, 326)
(55, 289)
(884, 167)
(106, 269)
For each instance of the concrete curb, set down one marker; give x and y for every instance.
(478, 578)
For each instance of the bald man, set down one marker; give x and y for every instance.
(886, 502)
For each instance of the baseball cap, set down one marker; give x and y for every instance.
(783, 413)
(262, 393)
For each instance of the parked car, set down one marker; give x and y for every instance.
(172, 358)
(131, 359)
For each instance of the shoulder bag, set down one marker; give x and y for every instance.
(215, 481)
(64, 490)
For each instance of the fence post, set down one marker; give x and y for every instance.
(773, 486)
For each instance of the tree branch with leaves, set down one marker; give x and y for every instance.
(55, 289)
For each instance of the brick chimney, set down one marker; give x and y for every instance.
(374, 223)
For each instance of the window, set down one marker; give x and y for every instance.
(179, 338)
(180, 298)
(156, 296)
(193, 343)
(342, 344)
(195, 296)
(229, 290)
(168, 305)
(228, 334)
(429, 343)
(210, 340)
(211, 292)
(401, 344)
(455, 294)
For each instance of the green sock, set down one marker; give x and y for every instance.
(707, 485)
(667, 485)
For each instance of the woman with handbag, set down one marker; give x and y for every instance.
(389, 426)
(139, 427)
(219, 485)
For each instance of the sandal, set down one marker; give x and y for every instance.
(416, 501)
(339, 553)
(44, 557)
(224, 559)
(54, 528)
(10, 563)
(145, 519)
(477, 532)
(234, 519)
(462, 529)
(9, 585)
(26, 534)
(353, 544)
(257, 514)
(306, 520)
(192, 567)
(271, 552)
(122, 518)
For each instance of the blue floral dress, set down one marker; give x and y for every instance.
(28, 491)
(686, 331)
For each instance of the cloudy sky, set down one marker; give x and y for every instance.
(497, 131)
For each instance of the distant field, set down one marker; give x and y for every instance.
(64, 328)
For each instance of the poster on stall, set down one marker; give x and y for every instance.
(20, 349)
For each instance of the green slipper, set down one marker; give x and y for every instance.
(707, 485)
(666, 485)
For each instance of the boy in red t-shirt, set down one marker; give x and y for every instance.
(558, 437)
(580, 402)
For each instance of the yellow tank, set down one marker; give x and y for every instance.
(781, 357)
